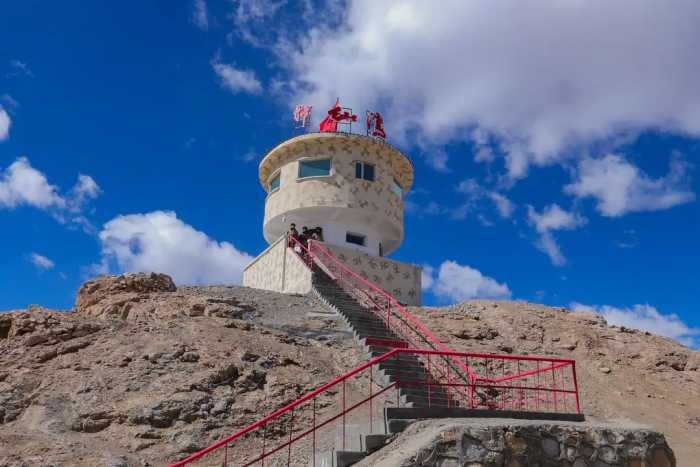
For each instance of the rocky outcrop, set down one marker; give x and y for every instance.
(513, 443)
(182, 369)
(149, 296)
(141, 372)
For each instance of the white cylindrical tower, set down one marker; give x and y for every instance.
(350, 185)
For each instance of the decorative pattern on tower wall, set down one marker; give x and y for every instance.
(402, 280)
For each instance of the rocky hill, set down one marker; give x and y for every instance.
(141, 372)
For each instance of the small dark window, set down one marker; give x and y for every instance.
(275, 183)
(364, 171)
(314, 168)
(355, 239)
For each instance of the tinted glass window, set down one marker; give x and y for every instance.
(275, 183)
(369, 172)
(355, 239)
(364, 171)
(315, 168)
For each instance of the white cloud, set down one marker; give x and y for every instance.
(458, 283)
(437, 159)
(548, 245)
(41, 262)
(475, 192)
(646, 318)
(5, 123)
(504, 205)
(159, 241)
(200, 15)
(84, 190)
(535, 80)
(552, 218)
(249, 16)
(22, 184)
(236, 80)
(620, 187)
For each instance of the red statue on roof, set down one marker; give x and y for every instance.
(375, 125)
(335, 115)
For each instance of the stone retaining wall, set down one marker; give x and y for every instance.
(513, 443)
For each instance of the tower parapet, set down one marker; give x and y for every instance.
(351, 186)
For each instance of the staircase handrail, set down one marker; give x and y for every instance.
(555, 363)
(428, 336)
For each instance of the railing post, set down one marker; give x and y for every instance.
(343, 415)
(578, 403)
(262, 457)
(398, 380)
(429, 376)
(313, 434)
(371, 381)
(291, 429)
(554, 385)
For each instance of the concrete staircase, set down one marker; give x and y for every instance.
(366, 325)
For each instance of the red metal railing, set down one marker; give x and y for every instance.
(331, 416)
(385, 306)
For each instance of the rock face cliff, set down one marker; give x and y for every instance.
(141, 372)
(521, 443)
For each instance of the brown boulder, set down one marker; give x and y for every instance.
(97, 289)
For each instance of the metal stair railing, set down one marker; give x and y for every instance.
(294, 434)
(384, 305)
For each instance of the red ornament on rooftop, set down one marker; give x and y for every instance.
(337, 114)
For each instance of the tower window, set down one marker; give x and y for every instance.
(396, 188)
(356, 239)
(275, 183)
(364, 171)
(314, 168)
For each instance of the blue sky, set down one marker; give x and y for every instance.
(555, 148)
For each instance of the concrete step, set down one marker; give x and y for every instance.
(348, 458)
(375, 442)
(406, 413)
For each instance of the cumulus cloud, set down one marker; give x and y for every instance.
(41, 262)
(533, 80)
(236, 80)
(200, 15)
(5, 123)
(159, 241)
(475, 192)
(22, 184)
(552, 218)
(620, 187)
(646, 318)
(456, 282)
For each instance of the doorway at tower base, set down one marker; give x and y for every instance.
(280, 269)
